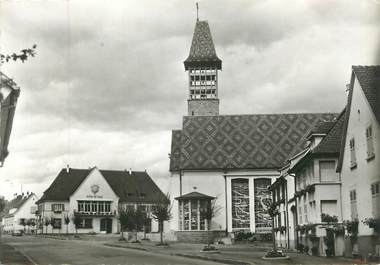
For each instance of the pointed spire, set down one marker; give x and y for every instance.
(202, 51)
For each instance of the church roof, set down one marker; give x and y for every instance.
(134, 187)
(202, 51)
(262, 141)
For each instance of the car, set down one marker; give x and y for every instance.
(17, 233)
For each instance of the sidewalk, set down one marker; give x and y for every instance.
(11, 256)
(246, 254)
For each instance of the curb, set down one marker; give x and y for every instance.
(130, 247)
(224, 261)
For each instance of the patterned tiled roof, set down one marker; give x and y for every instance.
(369, 79)
(261, 141)
(202, 51)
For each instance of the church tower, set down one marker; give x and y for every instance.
(202, 66)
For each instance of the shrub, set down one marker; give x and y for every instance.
(328, 218)
(372, 223)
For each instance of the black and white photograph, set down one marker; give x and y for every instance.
(189, 132)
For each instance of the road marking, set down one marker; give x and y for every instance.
(25, 255)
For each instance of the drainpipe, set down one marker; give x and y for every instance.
(225, 196)
(286, 211)
(180, 183)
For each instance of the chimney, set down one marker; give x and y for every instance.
(67, 168)
(130, 171)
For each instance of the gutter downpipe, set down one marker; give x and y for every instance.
(225, 196)
(287, 212)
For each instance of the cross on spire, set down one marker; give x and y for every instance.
(197, 11)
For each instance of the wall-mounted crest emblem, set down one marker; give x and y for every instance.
(95, 188)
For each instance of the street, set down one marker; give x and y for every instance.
(44, 251)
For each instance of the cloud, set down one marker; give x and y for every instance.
(108, 82)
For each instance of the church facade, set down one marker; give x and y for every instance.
(230, 160)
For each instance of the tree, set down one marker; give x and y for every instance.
(146, 222)
(207, 212)
(161, 212)
(2, 204)
(123, 219)
(47, 222)
(77, 222)
(23, 55)
(67, 220)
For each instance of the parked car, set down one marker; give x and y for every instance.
(17, 233)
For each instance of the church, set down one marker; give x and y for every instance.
(229, 160)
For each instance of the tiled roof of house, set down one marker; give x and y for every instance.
(262, 141)
(328, 147)
(134, 187)
(369, 79)
(331, 143)
(202, 51)
(16, 203)
(322, 128)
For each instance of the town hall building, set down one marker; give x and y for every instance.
(94, 197)
(230, 160)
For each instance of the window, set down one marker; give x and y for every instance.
(94, 206)
(305, 213)
(327, 171)
(189, 214)
(353, 205)
(300, 215)
(370, 150)
(262, 198)
(352, 153)
(56, 223)
(58, 207)
(329, 207)
(375, 199)
(240, 203)
(85, 223)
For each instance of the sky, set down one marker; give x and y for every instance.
(108, 84)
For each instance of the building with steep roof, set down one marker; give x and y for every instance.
(359, 162)
(94, 197)
(9, 93)
(22, 216)
(317, 191)
(231, 158)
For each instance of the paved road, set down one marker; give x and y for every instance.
(44, 251)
